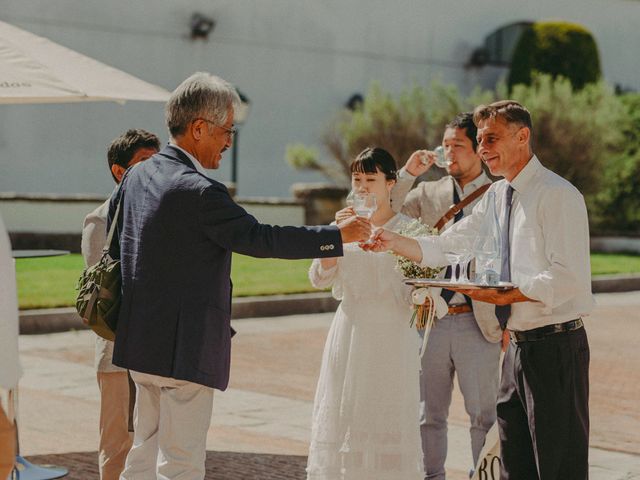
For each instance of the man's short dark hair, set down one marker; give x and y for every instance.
(508, 110)
(123, 148)
(464, 121)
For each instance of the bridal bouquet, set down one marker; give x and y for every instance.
(425, 306)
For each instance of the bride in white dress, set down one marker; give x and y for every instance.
(366, 409)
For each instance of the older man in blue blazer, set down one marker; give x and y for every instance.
(177, 230)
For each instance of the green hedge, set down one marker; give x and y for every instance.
(576, 133)
(617, 206)
(590, 136)
(559, 49)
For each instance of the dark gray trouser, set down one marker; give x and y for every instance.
(543, 409)
(456, 344)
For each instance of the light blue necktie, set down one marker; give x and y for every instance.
(503, 312)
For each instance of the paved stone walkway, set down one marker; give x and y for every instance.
(260, 425)
(219, 465)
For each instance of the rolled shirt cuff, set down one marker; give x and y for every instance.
(432, 255)
(325, 272)
(538, 291)
(404, 174)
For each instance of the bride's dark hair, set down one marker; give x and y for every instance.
(372, 159)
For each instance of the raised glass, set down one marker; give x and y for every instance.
(441, 159)
(364, 204)
(349, 200)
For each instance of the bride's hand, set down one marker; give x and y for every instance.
(344, 214)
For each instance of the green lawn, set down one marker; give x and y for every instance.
(609, 263)
(50, 282)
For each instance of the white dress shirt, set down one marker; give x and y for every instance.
(195, 161)
(549, 239)
(422, 198)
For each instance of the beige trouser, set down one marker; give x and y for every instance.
(171, 420)
(115, 438)
(7, 445)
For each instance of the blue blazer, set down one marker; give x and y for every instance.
(176, 231)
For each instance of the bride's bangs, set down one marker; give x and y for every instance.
(375, 160)
(365, 165)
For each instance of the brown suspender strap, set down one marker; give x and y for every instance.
(454, 209)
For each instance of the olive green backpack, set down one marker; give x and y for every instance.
(99, 291)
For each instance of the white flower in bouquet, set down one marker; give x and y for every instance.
(409, 268)
(425, 305)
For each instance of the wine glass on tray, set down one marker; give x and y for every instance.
(486, 249)
(458, 250)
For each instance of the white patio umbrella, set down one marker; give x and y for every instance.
(34, 69)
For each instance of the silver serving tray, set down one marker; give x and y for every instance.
(446, 283)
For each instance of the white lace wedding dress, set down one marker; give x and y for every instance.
(365, 414)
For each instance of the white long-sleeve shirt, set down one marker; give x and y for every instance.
(549, 240)
(10, 370)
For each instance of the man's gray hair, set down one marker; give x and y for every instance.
(202, 95)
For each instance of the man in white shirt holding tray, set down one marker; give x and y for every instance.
(467, 340)
(543, 412)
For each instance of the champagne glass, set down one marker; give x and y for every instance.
(486, 250)
(466, 251)
(441, 160)
(349, 200)
(451, 249)
(365, 205)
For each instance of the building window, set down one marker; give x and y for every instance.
(499, 46)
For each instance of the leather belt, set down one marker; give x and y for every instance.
(458, 309)
(540, 333)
